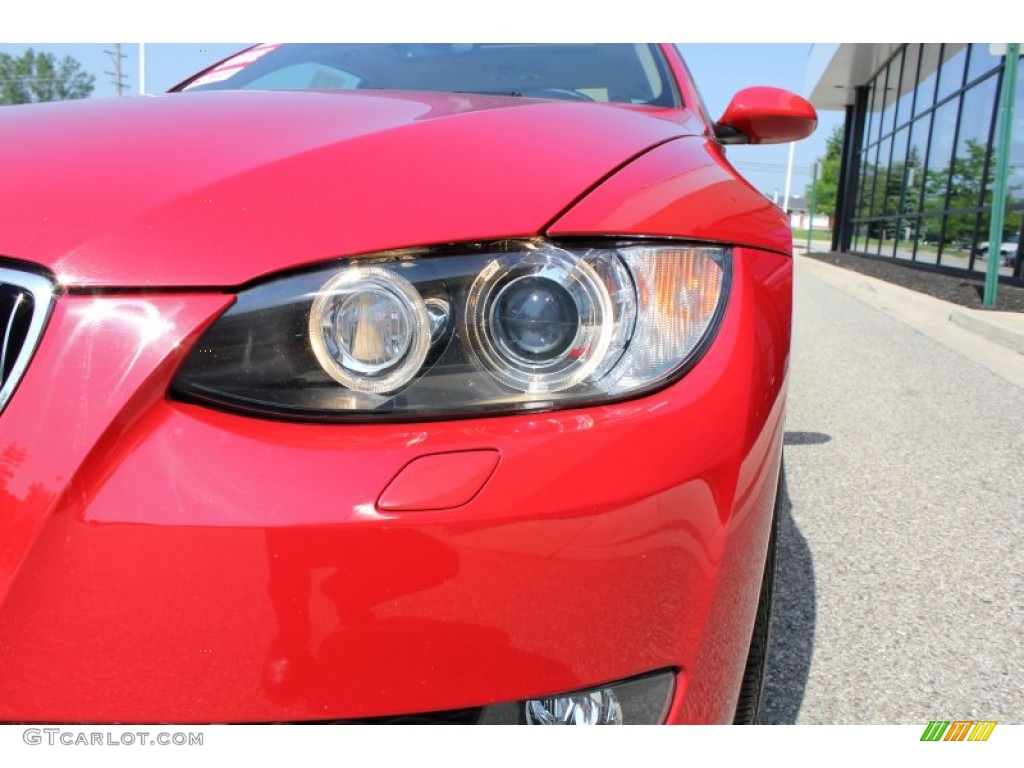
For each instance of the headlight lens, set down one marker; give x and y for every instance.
(545, 321)
(499, 328)
(369, 329)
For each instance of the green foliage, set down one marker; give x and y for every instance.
(965, 190)
(34, 77)
(828, 175)
(965, 186)
(896, 190)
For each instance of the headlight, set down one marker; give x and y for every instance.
(546, 321)
(499, 328)
(369, 329)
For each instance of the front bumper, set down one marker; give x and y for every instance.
(161, 562)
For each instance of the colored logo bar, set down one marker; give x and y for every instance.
(958, 730)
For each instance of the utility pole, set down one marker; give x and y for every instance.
(118, 81)
(814, 189)
(142, 69)
(789, 178)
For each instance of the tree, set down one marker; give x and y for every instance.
(41, 76)
(964, 183)
(894, 192)
(828, 175)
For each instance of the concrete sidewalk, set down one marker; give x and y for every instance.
(992, 339)
(901, 543)
(1005, 328)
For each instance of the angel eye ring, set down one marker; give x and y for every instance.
(370, 329)
(539, 323)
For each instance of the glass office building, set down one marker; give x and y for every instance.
(918, 159)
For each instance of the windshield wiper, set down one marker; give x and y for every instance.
(515, 94)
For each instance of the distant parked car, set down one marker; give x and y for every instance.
(1007, 249)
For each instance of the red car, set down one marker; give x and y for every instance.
(391, 383)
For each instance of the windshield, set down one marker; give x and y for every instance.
(618, 72)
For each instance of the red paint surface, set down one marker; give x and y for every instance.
(170, 563)
(165, 562)
(438, 481)
(218, 188)
(682, 188)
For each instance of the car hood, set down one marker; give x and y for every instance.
(216, 189)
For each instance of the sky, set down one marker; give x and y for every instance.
(719, 69)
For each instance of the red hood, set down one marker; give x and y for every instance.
(218, 188)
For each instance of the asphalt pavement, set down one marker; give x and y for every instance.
(900, 592)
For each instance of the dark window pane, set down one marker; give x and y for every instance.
(867, 183)
(862, 238)
(907, 82)
(937, 175)
(972, 147)
(1009, 243)
(879, 187)
(928, 247)
(873, 241)
(892, 203)
(892, 86)
(874, 110)
(906, 233)
(889, 246)
(956, 243)
(881, 236)
(929, 75)
(980, 258)
(915, 165)
(951, 75)
(981, 61)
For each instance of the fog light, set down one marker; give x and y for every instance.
(639, 701)
(590, 708)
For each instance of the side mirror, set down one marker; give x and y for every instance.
(765, 115)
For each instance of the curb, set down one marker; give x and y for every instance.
(994, 340)
(1006, 331)
(1003, 328)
